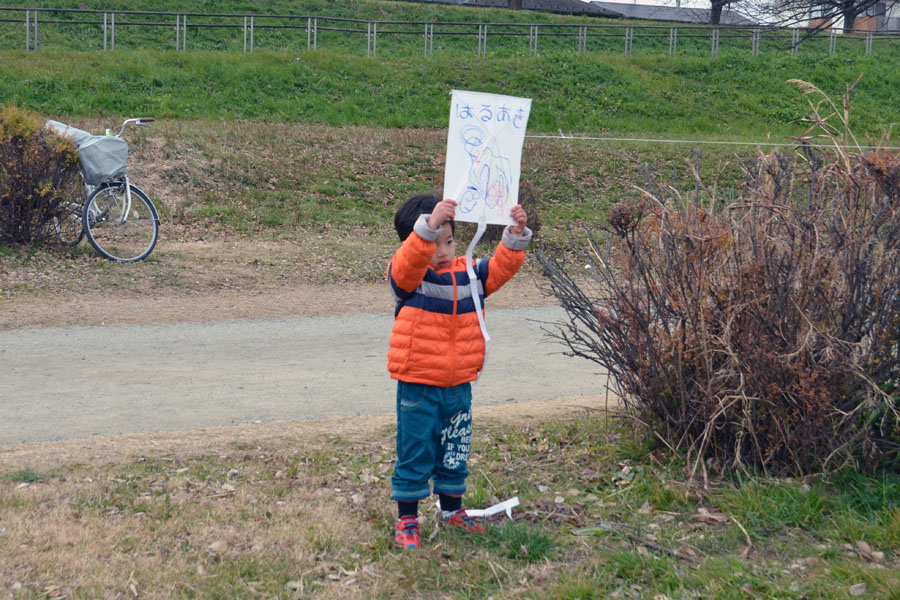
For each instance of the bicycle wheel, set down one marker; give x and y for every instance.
(116, 230)
(67, 224)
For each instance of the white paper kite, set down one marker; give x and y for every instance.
(484, 159)
(484, 155)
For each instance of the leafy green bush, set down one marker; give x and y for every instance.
(38, 177)
(757, 330)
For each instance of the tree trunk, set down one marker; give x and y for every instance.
(849, 21)
(514, 4)
(715, 12)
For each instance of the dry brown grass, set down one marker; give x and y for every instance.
(258, 208)
(230, 510)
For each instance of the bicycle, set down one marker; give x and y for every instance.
(117, 217)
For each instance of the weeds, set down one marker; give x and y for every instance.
(26, 475)
(38, 179)
(313, 514)
(755, 332)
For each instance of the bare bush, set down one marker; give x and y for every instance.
(38, 178)
(760, 332)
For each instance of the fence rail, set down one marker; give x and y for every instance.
(87, 29)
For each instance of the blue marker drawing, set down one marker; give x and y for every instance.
(488, 180)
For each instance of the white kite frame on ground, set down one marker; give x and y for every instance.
(484, 155)
(484, 161)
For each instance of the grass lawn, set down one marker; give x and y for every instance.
(603, 515)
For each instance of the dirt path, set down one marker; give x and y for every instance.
(263, 363)
(164, 305)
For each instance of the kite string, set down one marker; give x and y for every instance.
(701, 142)
(473, 285)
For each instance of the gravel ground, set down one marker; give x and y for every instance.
(202, 367)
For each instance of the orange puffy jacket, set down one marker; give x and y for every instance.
(436, 338)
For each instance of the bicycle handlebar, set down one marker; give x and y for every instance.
(136, 121)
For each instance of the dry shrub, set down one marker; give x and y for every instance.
(759, 332)
(38, 177)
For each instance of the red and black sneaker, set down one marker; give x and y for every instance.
(406, 532)
(459, 518)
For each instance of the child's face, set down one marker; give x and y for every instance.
(446, 249)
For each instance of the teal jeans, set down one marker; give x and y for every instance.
(434, 432)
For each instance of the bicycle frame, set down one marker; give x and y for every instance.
(137, 121)
(112, 219)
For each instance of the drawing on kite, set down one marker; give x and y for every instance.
(488, 181)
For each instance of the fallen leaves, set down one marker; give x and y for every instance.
(866, 552)
(712, 518)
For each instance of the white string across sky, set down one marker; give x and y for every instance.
(705, 142)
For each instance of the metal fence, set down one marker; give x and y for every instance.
(84, 29)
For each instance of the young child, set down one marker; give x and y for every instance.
(436, 351)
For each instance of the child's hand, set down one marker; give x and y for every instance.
(443, 212)
(519, 216)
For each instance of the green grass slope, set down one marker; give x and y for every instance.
(734, 95)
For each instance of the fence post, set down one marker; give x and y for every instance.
(429, 39)
(31, 42)
(372, 39)
(109, 36)
(482, 41)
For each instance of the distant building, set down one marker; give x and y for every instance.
(568, 7)
(881, 17)
(677, 14)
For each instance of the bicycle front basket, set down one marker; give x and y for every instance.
(102, 157)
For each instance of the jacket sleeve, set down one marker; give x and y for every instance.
(410, 262)
(506, 261)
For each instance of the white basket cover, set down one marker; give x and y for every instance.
(102, 157)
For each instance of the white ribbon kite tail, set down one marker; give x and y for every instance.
(473, 285)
